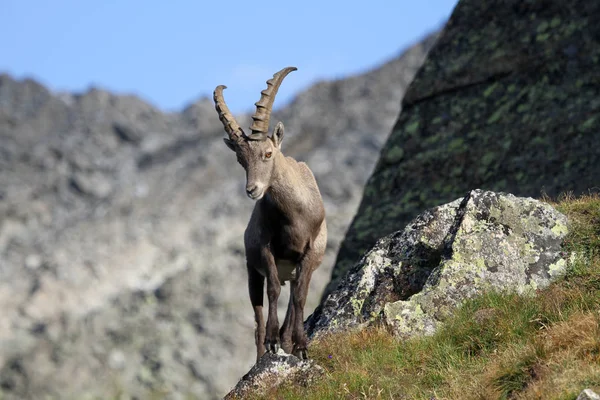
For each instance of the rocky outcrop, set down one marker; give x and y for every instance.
(413, 279)
(507, 100)
(121, 251)
(273, 370)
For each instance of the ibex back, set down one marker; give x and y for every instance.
(287, 234)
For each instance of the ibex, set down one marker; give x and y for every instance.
(286, 237)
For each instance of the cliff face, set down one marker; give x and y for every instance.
(121, 252)
(507, 100)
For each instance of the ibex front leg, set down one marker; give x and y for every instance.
(273, 290)
(256, 286)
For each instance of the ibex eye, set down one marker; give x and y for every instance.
(268, 155)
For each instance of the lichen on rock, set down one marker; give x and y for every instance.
(499, 242)
(413, 279)
(507, 99)
(395, 268)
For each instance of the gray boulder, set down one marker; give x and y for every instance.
(273, 370)
(412, 280)
(588, 394)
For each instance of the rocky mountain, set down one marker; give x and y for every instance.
(507, 100)
(121, 256)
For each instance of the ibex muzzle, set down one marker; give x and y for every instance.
(287, 234)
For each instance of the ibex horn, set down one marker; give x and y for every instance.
(260, 125)
(231, 126)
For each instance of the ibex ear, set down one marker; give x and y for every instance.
(230, 143)
(278, 135)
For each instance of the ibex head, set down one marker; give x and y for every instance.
(255, 152)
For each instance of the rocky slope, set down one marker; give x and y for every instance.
(412, 281)
(508, 99)
(121, 259)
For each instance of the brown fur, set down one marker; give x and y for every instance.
(285, 238)
(287, 233)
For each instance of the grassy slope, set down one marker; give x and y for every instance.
(495, 347)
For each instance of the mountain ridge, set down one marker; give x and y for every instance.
(121, 230)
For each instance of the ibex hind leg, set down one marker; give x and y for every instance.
(256, 288)
(300, 291)
(310, 262)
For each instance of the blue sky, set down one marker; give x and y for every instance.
(171, 53)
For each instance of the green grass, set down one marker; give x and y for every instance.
(496, 346)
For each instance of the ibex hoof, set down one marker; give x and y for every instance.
(272, 347)
(301, 354)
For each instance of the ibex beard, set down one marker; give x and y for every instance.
(287, 234)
